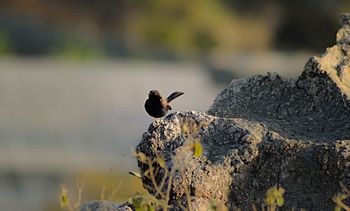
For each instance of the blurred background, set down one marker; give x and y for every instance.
(74, 76)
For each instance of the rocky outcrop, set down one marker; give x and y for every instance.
(260, 131)
(99, 205)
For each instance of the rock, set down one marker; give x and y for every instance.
(99, 205)
(259, 132)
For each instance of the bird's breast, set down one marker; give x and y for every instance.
(155, 108)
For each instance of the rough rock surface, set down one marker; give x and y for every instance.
(98, 205)
(262, 131)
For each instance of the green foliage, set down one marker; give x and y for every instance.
(145, 202)
(198, 148)
(71, 48)
(344, 6)
(161, 161)
(338, 199)
(65, 201)
(190, 128)
(274, 197)
(5, 45)
(196, 26)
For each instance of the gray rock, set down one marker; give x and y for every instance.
(99, 205)
(261, 131)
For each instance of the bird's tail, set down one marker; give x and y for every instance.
(173, 96)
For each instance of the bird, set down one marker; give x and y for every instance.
(156, 106)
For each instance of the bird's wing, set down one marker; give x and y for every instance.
(165, 104)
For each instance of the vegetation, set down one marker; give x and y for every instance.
(72, 48)
(186, 27)
(5, 47)
(274, 197)
(173, 28)
(147, 202)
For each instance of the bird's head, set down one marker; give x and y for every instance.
(154, 94)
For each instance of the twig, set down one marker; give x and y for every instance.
(164, 178)
(167, 196)
(150, 166)
(114, 190)
(80, 187)
(341, 204)
(187, 193)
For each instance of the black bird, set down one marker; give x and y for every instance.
(156, 106)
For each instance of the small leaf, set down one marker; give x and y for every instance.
(280, 201)
(278, 192)
(146, 173)
(270, 200)
(64, 200)
(142, 157)
(185, 128)
(198, 149)
(161, 161)
(342, 196)
(337, 208)
(339, 197)
(274, 196)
